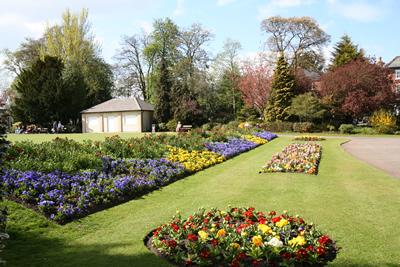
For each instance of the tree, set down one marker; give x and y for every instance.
(134, 67)
(344, 52)
(164, 48)
(282, 92)
(27, 53)
(255, 85)
(228, 76)
(37, 87)
(357, 88)
(73, 43)
(47, 93)
(307, 107)
(300, 38)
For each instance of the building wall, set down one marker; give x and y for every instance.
(147, 121)
(113, 122)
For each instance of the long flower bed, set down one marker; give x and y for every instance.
(309, 138)
(242, 237)
(62, 196)
(231, 148)
(76, 185)
(301, 158)
(266, 135)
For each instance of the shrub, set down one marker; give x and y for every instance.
(171, 125)
(346, 128)
(277, 126)
(331, 128)
(242, 237)
(303, 127)
(383, 121)
(364, 130)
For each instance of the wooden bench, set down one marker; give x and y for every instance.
(185, 128)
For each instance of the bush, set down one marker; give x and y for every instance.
(277, 126)
(346, 128)
(383, 121)
(364, 130)
(331, 128)
(171, 125)
(303, 127)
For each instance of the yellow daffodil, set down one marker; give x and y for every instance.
(297, 241)
(264, 228)
(282, 223)
(221, 233)
(235, 245)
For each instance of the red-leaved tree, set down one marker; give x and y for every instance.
(255, 85)
(357, 89)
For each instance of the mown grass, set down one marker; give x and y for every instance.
(356, 204)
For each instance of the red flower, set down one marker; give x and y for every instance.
(320, 251)
(286, 255)
(276, 219)
(272, 213)
(256, 262)
(262, 220)
(301, 253)
(172, 243)
(155, 233)
(301, 221)
(192, 237)
(189, 262)
(323, 240)
(251, 209)
(204, 253)
(174, 227)
(235, 263)
(310, 248)
(248, 213)
(206, 220)
(227, 218)
(241, 256)
(214, 242)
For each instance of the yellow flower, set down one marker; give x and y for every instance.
(235, 245)
(297, 241)
(243, 234)
(281, 223)
(203, 235)
(257, 240)
(221, 233)
(212, 230)
(264, 228)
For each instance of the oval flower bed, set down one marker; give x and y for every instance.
(302, 158)
(309, 138)
(242, 237)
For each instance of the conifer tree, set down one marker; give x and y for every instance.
(344, 52)
(282, 92)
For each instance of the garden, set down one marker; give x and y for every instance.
(65, 180)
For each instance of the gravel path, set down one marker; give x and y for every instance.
(383, 153)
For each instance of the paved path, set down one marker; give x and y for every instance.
(383, 153)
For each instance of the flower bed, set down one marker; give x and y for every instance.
(309, 138)
(62, 196)
(255, 139)
(242, 237)
(194, 160)
(266, 135)
(231, 148)
(301, 158)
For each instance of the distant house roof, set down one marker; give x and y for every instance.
(394, 64)
(121, 104)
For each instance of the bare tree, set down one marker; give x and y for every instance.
(133, 68)
(300, 38)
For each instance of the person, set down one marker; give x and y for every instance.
(59, 127)
(54, 129)
(178, 127)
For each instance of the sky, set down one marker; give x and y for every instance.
(373, 25)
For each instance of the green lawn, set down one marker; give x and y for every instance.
(37, 138)
(356, 204)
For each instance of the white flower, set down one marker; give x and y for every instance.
(275, 242)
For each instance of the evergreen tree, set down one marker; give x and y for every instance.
(37, 88)
(344, 52)
(162, 108)
(282, 92)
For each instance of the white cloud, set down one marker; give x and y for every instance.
(145, 25)
(34, 28)
(179, 9)
(224, 2)
(360, 11)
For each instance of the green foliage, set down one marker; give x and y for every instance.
(303, 127)
(278, 126)
(282, 92)
(346, 129)
(307, 107)
(383, 121)
(40, 89)
(171, 125)
(365, 130)
(344, 52)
